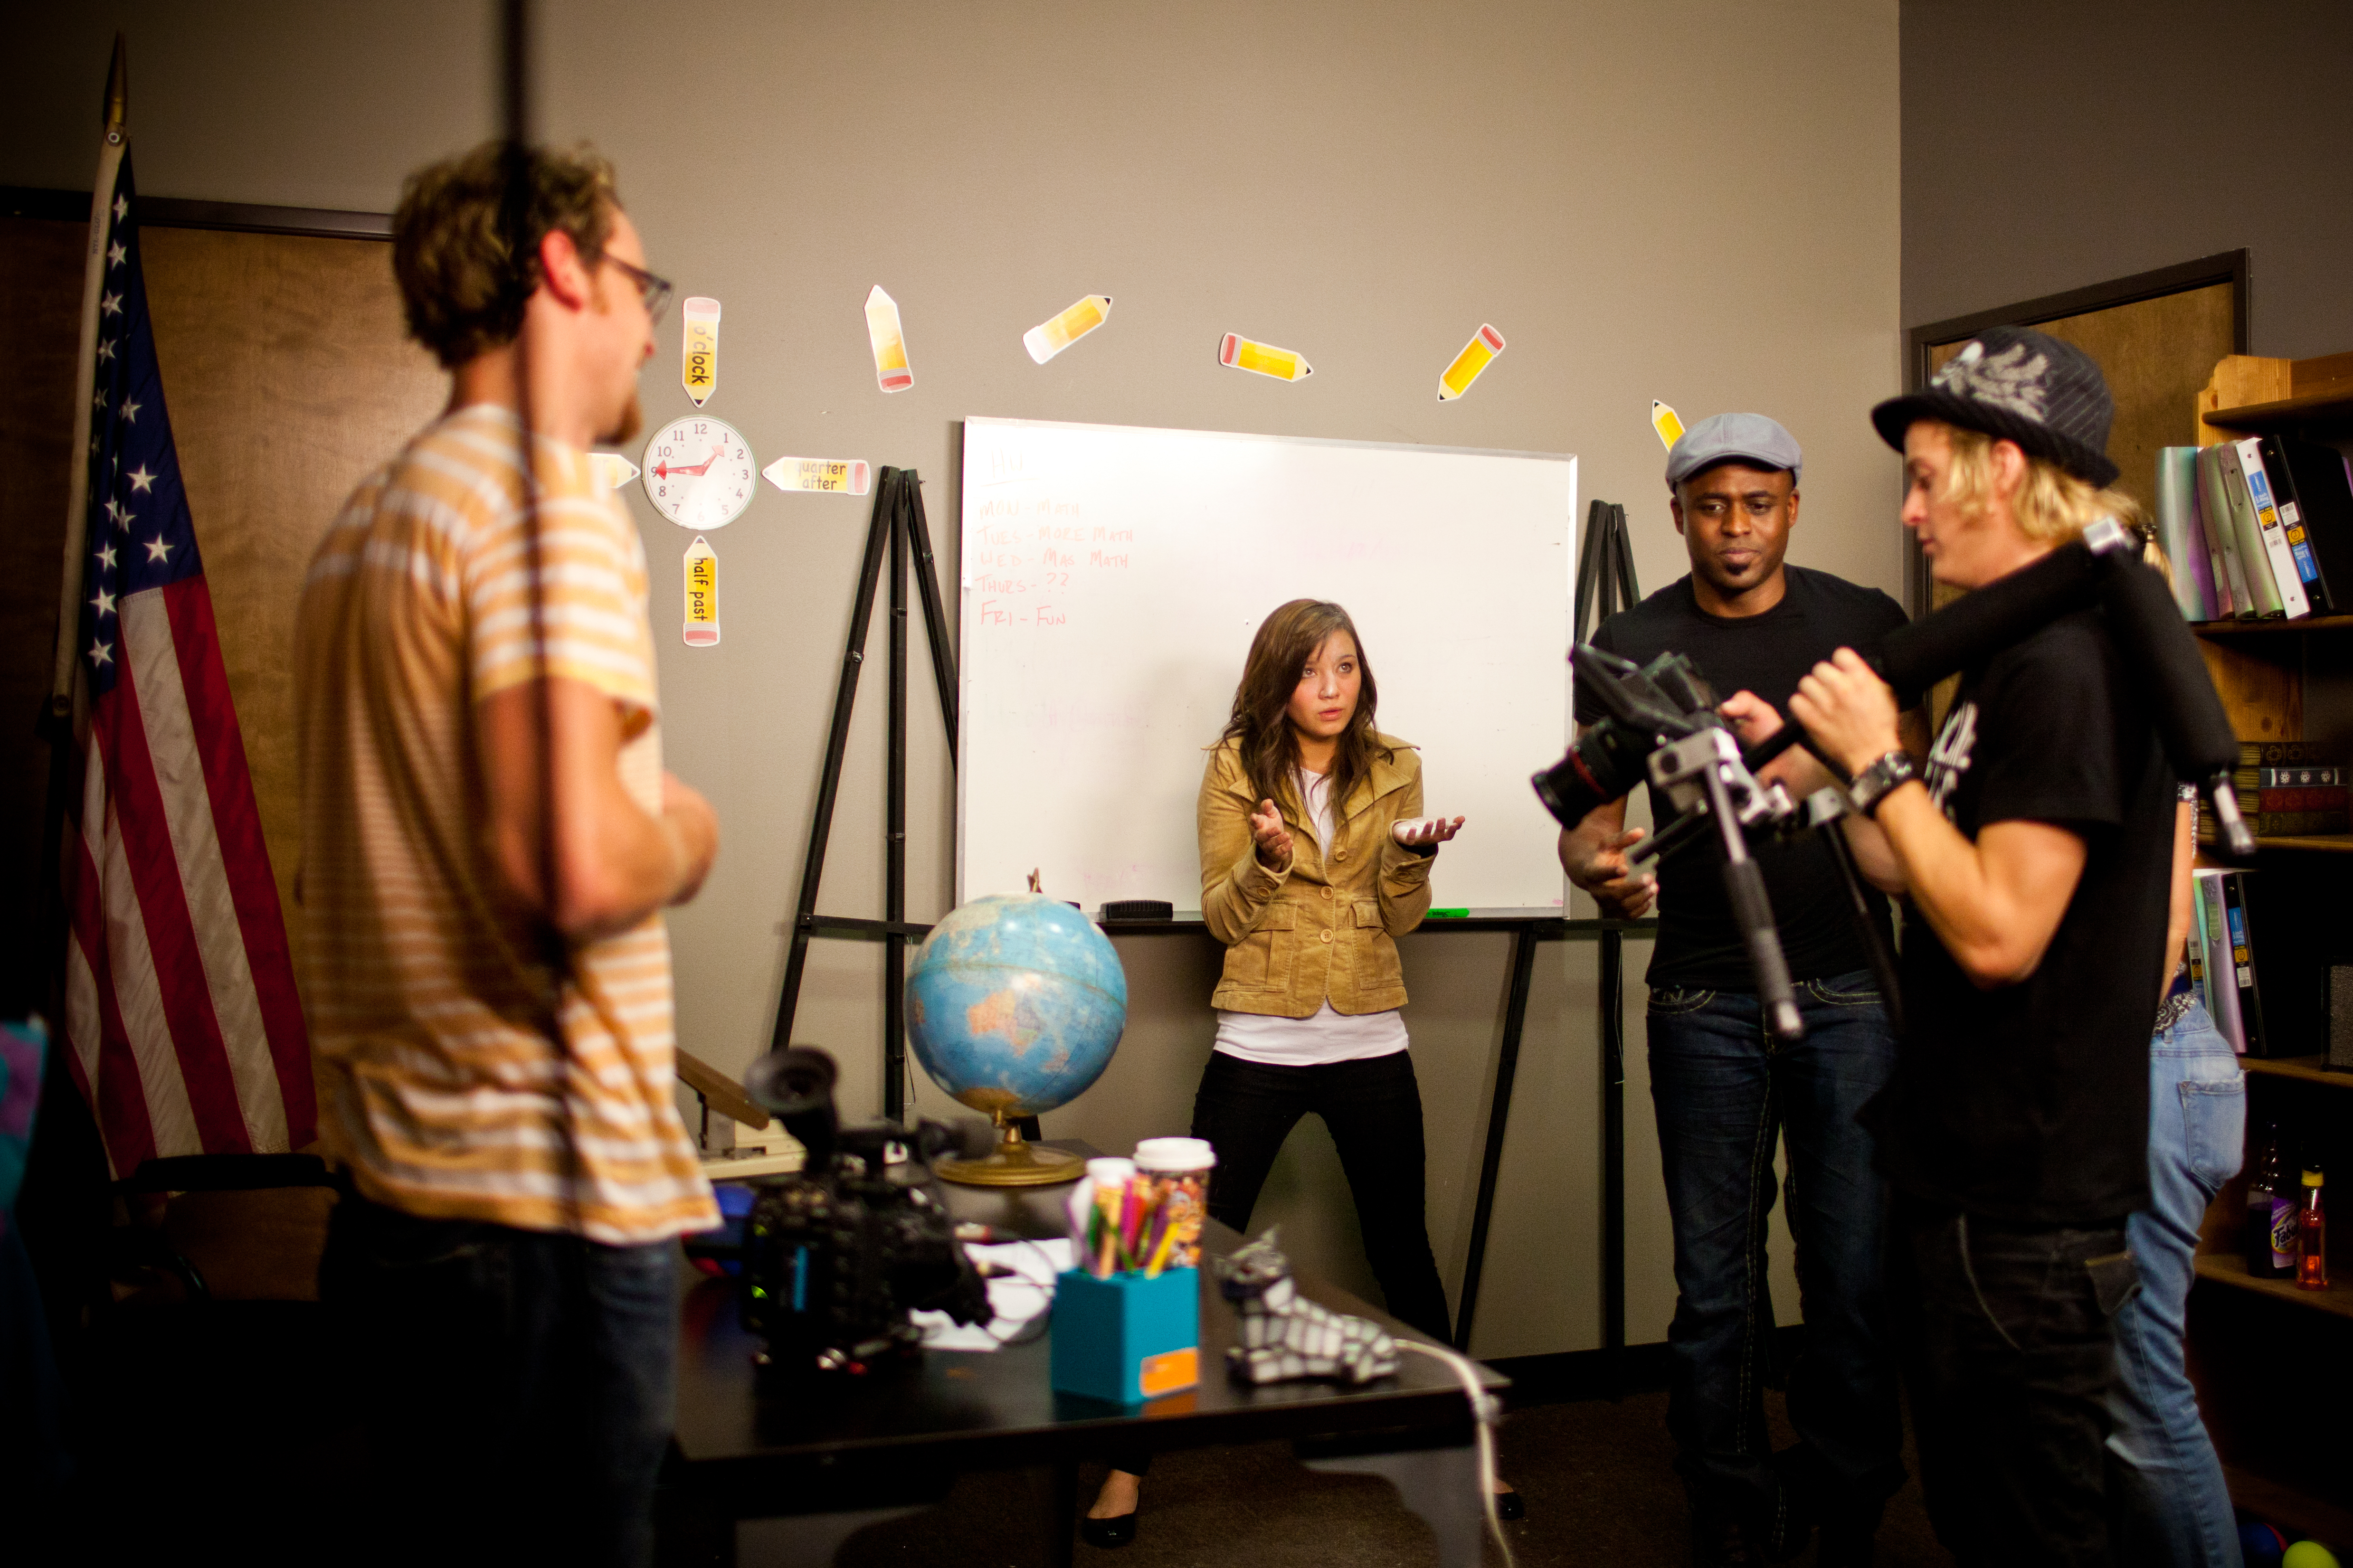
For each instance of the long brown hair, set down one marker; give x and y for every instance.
(1286, 640)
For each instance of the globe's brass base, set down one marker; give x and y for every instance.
(1016, 1163)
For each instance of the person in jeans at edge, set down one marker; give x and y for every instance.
(2034, 856)
(2169, 1505)
(489, 839)
(1725, 1091)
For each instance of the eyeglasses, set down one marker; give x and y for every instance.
(655, 292)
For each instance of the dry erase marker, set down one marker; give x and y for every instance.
(1450, 914)
(1048, 339)
(1663, 420)
(1263, 359)
(882, 330)
(1476, 356)
(699, 360)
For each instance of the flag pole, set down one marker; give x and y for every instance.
(115, 126)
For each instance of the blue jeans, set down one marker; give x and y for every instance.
(516, 1386)
(2169, 1507)
(1725, 1092)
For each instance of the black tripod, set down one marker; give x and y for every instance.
(897, 523)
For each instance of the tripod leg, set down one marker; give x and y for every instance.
(845, 698)
(1874, 940)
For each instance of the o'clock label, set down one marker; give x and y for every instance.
(699, 364)
(701, 626)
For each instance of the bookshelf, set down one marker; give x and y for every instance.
(2286, 1453)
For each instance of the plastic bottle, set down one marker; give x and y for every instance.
(2270, 1212)
(2312, 1239)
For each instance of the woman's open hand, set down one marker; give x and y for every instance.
(1274, 839)
(1430, 832)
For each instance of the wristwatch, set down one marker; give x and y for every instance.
(1880, 780)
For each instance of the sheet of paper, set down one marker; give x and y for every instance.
(698, 356)
(1476, 356)
(835, 476)
(892, 371)
(1015, 1300)
(1048, 339)
(700, 628)
(1240, 352)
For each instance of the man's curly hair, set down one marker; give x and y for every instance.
(467, 260)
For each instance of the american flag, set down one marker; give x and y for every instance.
(184, 1029)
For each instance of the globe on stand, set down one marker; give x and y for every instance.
(1015, 1003)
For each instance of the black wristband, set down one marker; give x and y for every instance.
(1880, 780)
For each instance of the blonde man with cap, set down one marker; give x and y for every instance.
(1725, 1093)
(2034, 852)
(489, 841)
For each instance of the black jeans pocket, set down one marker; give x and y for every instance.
(1668, 1000)
(2115, 1278)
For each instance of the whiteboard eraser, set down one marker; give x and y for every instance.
(1138, 910)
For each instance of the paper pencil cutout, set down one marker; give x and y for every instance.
(1476, 356)
(1664, 421)
(890, 371)
(1048, 339)
(1263, 359)
(701, 626)
(839, 475)
(610, 469)
(699, 367)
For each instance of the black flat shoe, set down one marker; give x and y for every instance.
(1108, 1534)
(1509, 1505)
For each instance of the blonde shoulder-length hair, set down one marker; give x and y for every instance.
(2052, 506)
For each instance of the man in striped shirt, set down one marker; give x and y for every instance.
(489, 840)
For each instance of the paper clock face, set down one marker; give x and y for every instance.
(699, 472)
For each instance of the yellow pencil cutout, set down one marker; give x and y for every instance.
(698, 356)
(700, 628)
(891, 369)
(1263, 359)
(1664, 421)
(1048, 339)
(610, 469)
(1476, 356)
(837, 476)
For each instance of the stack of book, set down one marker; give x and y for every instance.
(2222, 959)
(2257, 528)
(2286, 789)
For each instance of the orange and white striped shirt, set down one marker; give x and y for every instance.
(435, 1012)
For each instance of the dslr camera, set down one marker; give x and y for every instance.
(835, 1257)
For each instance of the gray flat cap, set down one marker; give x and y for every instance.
(1730, 437)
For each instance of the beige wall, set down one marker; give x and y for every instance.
(1700, 206)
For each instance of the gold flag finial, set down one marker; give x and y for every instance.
(118, 92)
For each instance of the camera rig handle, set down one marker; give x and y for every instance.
(1702, 775)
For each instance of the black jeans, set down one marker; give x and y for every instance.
(2007, 1342)
(1373, 1108)
(516, 1386)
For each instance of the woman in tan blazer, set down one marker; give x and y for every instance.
(1314, 859)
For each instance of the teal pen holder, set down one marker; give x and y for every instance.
(1126, 1339)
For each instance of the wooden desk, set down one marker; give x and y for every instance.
(794, 1479)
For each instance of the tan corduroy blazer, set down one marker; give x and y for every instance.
(1326, 924)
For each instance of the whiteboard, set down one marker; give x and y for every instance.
(1111, 580)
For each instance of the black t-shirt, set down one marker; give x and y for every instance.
(2030, 1102)
(1699, 942)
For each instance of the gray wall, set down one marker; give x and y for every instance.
(1701, 208)
(2047, 147)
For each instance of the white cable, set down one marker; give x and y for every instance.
(1487, 1412)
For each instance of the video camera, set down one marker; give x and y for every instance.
(835, 1257)
(1660, 724)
